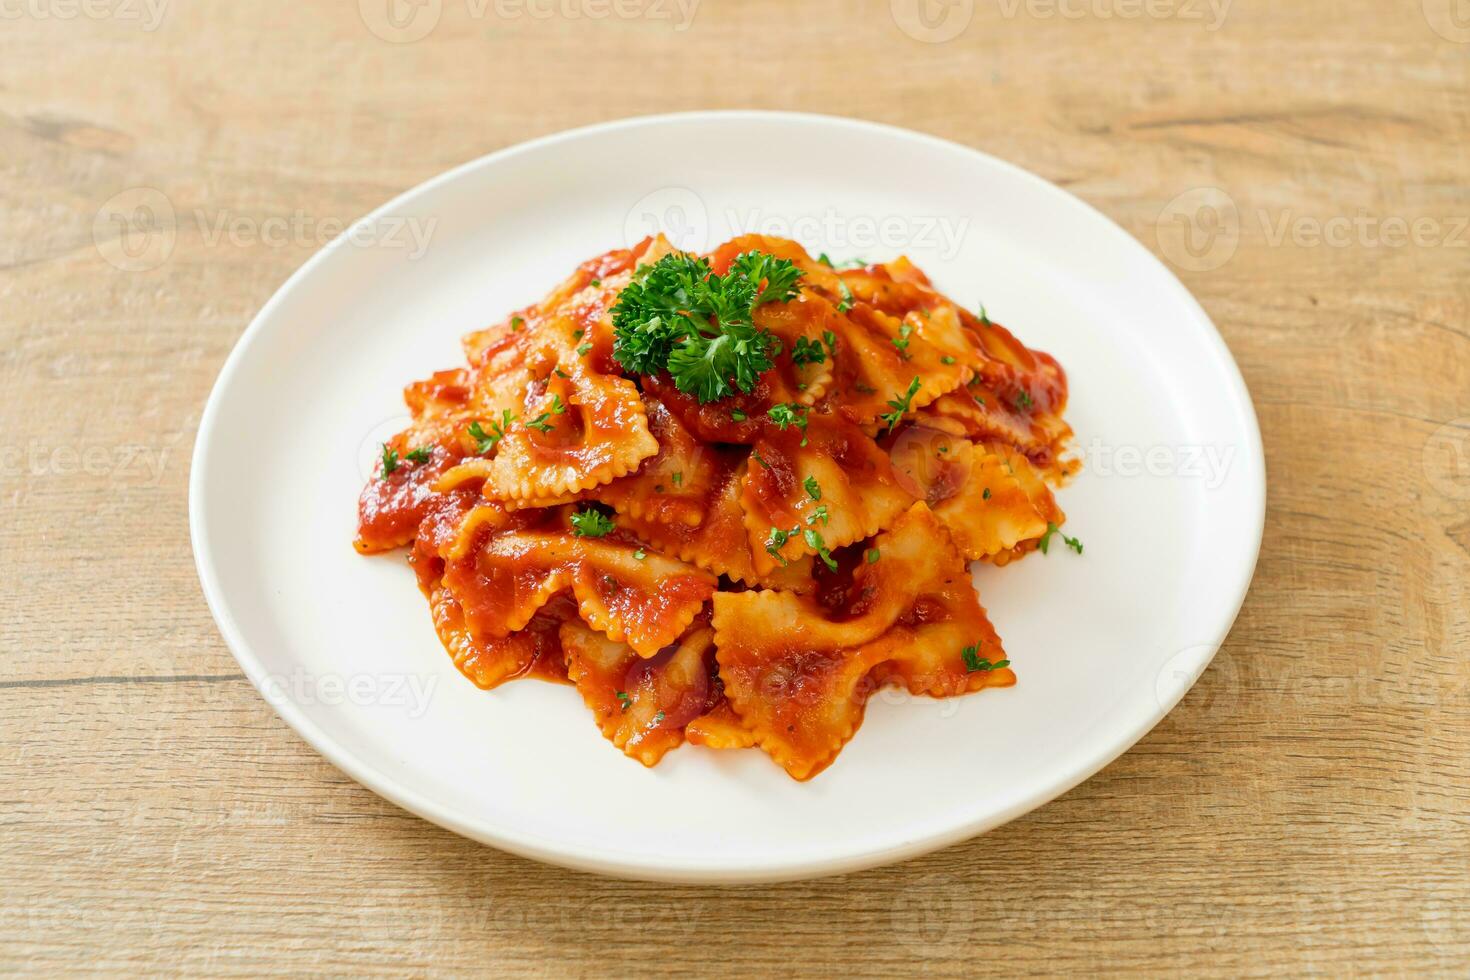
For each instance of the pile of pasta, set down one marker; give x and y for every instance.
(569, 520)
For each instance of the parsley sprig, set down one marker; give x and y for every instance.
(812, 537)
(486, 441)
(391, 459)
(677, 315)
(807, 351)
(974, 663)
(591, 524)
(1044, 545)
(900, 405)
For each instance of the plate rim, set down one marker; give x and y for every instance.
(608, 862)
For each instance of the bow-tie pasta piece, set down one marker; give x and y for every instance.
(645, 602)
(640, 704)
(823, 486)
(676, 485)
(720, 543)
(799, 674)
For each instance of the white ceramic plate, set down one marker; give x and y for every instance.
(1170, 505)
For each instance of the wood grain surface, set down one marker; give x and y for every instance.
(1302, 164)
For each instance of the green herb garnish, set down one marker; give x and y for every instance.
(814, 541)
(1044, 545)
(900, 405)
(807, 351)
(786, 416)
(974, 663)
(677, 315)
(591, 524)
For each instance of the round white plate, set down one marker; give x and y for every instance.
(1170, 504)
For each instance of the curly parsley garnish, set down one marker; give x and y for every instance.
(591, 524)
(677, 315)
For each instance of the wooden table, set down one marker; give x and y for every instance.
(1305, 810)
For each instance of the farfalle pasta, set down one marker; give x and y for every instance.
(727, 497)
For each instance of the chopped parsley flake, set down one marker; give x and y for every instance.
(678, 478)
(738, 415)
(640, 554)
(873, 555)
(819, 513)
(757, 457)
(390, 461)
(516, 323)
(776, 542)
(807, 351)
(786, 416)
(900, 405)
(420, 455)
(485, 441)
(986, 494)
(624, 699)
(847, 298)
(974, 663)
(583, 349)
(813, 489)
(591, 524)
(902, 340)
(1044, 545)
(1023, 401)
(946, 359)
(814, 541)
